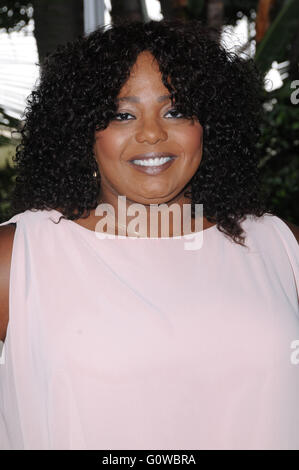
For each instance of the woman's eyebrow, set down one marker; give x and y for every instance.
(136, 99)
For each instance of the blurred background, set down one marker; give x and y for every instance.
(265, 30)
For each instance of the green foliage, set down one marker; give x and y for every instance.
(8, 121)
(280, 34)
(15, 15)
(279, 146)
(195, 8)
(236, 9)
(233, 10)
(7, 181)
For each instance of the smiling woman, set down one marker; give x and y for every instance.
(188, 96)
(141, 342)
(151, 124)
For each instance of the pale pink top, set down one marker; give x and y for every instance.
(142, 344)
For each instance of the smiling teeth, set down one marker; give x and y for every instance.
(152, 161)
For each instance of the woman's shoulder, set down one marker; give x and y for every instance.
(274, 227)
(294, 229)
(8, 233)
(275, 240)
(31, 217)
(286, 231)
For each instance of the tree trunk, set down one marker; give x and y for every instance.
(172, 9)
(128, 9)
(262, 18)
(215, 16)
(56, 22)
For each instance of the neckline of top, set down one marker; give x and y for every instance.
(110, 236)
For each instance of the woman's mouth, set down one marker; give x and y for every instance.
(152, 166)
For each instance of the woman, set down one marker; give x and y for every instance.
(135, 341)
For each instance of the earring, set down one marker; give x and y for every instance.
(94, 174)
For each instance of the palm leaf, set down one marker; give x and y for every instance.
(278, 36)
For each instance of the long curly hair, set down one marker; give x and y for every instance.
(76, 95)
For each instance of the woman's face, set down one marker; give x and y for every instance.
(146, 125)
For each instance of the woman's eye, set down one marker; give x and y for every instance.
(175, 111)
(123, 118)
(121, 114)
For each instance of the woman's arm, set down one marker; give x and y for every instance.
(6, 243)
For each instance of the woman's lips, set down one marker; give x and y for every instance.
(152, 170)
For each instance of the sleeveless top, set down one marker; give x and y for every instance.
(129, 343)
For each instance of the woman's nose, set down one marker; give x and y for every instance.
(150, 131)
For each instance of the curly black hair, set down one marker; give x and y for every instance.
(76, 96)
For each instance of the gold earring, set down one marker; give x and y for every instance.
(94, 173)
